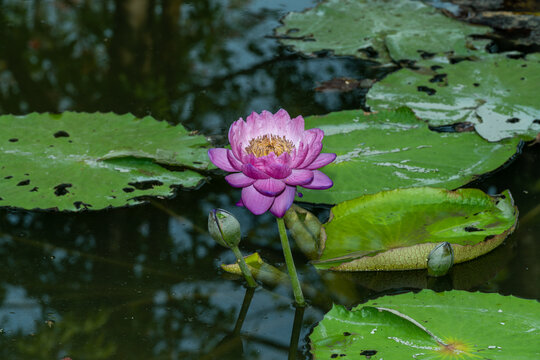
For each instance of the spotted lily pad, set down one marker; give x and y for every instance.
(394, 149)
(75, 161)
(378, 30)
(396, 230)
(431, 326)
(498, 94)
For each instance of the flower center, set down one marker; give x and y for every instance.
(264, 145)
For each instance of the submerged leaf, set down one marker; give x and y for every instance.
(74, 161)
(393, 149)
(397, 230)
(430, 326)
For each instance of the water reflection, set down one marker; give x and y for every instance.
(144, 282)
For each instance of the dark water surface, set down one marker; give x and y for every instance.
(144, 282)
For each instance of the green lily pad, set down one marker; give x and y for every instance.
(396, 230)
(393, 149)
(497, 94)
(75, 161)
(431, 326)
(378, 30)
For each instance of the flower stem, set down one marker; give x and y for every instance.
(297, 290)
(243, 266)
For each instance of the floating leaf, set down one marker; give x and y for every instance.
(393, 149)
(497, 94)
(396, 230)
(378, 30)
(431, 326)
(74, 161)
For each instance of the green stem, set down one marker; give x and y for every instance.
(243, 266)
(297, 290)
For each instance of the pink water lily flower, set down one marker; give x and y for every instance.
(271, 155)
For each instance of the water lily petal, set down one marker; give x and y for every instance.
(239, 180)
(277, 171)
(299, 177)
(256, 202)
(320, 181)
(322, 160)
(235, 162)
(219, 158)
(252, 172)
(314, 147)
(283, 202)
(300, 155)
(269, 187)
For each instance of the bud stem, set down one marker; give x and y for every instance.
(243, 266)
(297, 290)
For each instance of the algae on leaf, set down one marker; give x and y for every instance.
(396, 230)
(379, 30)
(74, 161)
(431, 326)
(498, 94)
(394, 149)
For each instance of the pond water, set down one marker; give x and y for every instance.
(145, 282)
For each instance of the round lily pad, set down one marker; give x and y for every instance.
(394, 149)
(378, 30)
(498, 94)
(431, 326)
(396, 230)
(74, 161)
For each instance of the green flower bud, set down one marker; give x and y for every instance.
(224, 228)
(440, 259)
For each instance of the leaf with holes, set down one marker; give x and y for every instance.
(431, 326)
(497, 94)
(396, 230)
(75, 161)
(393, 149)
(378, 30)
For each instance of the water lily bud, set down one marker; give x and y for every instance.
(440, 259)
(224, 228)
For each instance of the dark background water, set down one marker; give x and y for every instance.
(144, 282)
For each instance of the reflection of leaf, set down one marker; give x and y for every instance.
(383, 31)
(429, 325)
(76, 161)
(393, 149)
(497, 94)
(396, 230)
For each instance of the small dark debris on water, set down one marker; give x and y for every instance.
(8, 177)
(452, 128)
(344, 84)
(438, 78)
(472, 229)
(34, 189)
(368, 353)
(13, 140)
(145, 185)
(369, 51)
(128, 189)
(476, 84)
(346, 333)
(427, 90)
(61, 133)
(513, 120)
(24, 182)
(79, 204)
(61, 189)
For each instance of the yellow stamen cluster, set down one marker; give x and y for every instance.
(264, 145)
